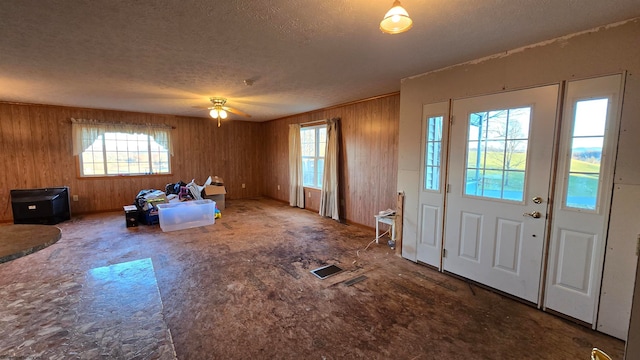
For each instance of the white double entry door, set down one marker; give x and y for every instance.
(488, 177)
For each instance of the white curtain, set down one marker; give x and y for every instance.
(85, 132)
(296, 190)
(329, 199)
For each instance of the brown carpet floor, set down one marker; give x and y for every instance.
(242, 289)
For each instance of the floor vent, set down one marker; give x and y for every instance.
(326, 271)
(355, 280)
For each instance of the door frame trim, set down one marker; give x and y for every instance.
(552, 188)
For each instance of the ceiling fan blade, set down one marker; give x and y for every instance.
(235, 111)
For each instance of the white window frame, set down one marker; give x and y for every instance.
(316, 158)
(145, 154)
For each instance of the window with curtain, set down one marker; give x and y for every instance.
(121, 149)
(314, 140)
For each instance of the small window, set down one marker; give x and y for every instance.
(497, 153)
(314, 142)
(433, 151)
(587, 142)
(114, 153)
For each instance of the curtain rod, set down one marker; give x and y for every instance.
(325, 121)
(309, 123)
(99, 122)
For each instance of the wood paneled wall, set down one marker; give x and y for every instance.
(37, 152)
(36, 146)
(312, 199)
(369, 148)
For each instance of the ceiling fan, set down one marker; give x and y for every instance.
(219, 110)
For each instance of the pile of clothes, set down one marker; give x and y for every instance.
(190, 191)
(146, 200)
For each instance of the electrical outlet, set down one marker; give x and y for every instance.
(75, 197)
(243, 186)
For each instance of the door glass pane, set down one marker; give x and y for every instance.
(497, 147)
(433, 147)
(582, 191)
(513, 181)
(587, 142)
(432, 181)
(495, 123)
(494, 154)
(586, 154)
(492, 184)
(473, 186)
(593, 117)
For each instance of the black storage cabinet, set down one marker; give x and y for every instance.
(40, 206)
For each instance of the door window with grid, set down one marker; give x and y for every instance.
(497, 153)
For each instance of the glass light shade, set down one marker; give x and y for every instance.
(396, 20)
(223, 114)
(213, 113)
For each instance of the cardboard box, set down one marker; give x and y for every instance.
(215, 193)
(216, 180)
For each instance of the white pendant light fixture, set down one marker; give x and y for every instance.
(396, 20)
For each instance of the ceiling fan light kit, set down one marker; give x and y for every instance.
(220, 111)
(215, 113)
(396, 20)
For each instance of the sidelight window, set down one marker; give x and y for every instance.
(587, 142)
(433, 151)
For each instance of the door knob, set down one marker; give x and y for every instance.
(533, 214)
(537, 200)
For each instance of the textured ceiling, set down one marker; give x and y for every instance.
(170, 56)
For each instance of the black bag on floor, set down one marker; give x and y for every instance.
(174, 188)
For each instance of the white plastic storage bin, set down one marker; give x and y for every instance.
(186, 215)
